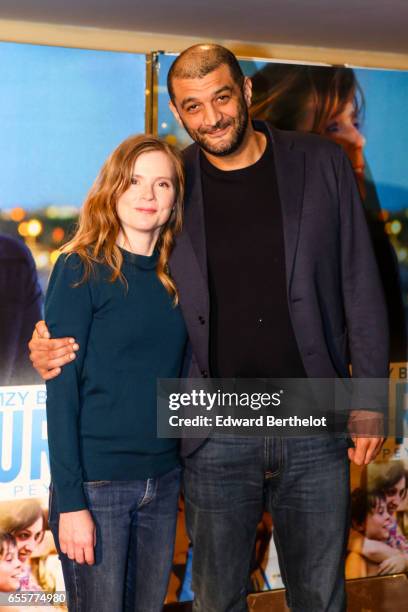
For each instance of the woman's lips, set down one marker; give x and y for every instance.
(149, 211)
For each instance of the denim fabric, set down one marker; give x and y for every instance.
(135, 529)
(304, 483)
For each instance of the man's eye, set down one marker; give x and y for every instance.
(223, 99)
(192, 108)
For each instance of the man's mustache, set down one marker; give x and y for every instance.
(220, 125)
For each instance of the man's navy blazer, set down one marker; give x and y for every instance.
(335, 297)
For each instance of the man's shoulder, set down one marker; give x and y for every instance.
(12, 248)
(306, 142)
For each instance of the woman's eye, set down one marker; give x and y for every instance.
(163, 184)
(332, 127)
(134, 181)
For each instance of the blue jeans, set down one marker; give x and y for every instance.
(304, 484)
(135, 529)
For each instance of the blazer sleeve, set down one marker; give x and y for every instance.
(33, 302)
(363, 297)
(68, 312)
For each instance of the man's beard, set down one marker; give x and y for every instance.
(239, 124)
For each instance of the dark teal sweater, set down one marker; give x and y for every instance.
(101, 409)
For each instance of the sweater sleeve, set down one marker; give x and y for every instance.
(68, 312)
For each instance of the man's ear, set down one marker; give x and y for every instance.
(247, 90)
(175, 113)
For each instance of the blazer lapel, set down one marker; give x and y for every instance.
(290, 175)
(188, 262)
(194, 222)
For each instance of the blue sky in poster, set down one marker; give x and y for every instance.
(62, 111)
(384, 126)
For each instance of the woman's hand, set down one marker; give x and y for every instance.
(77, 536)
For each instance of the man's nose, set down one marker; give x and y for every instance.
(211, 115)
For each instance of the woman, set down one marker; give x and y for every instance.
(113, 500)
(370, 517)
(328, 101)
(25, 521)
(322, 100)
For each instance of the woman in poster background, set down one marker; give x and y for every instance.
(328, 101)
(25, 521)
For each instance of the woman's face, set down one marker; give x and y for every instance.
(394, 495)
(28, 539)
(378, 521)
(147, 203)
(344, 129)
(10, 568)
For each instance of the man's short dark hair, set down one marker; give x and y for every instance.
(199, 60)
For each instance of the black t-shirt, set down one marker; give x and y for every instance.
(251, 334)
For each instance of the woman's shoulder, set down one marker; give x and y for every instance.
(69, 264)
(77, 270)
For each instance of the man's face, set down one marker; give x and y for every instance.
(213, 110)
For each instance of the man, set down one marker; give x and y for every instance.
(276, 243)
(20, 308)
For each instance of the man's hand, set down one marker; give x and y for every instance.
(366, 429)
(77, 536)
(49, 355)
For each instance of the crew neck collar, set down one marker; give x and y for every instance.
(145, 262)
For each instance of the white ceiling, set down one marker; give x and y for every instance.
(380, 25)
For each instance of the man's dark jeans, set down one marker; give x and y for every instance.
(135, 529)
(304, 484)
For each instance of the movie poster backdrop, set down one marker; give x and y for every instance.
(62, 111)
